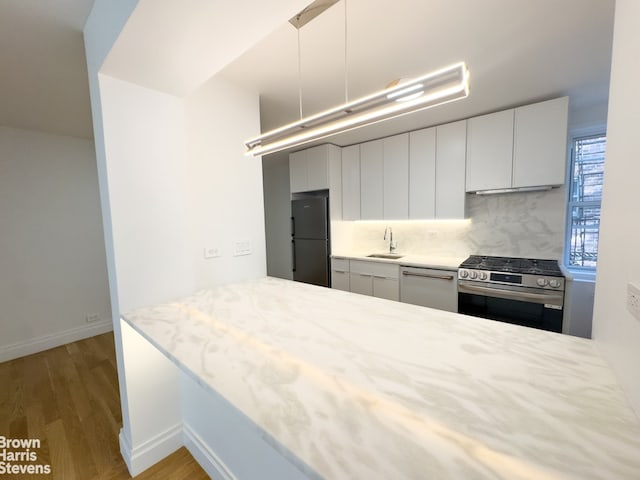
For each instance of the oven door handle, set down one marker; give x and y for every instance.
(542, 298)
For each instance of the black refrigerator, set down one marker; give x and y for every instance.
(310, 240)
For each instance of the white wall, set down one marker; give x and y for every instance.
(143, 132)
(223, 186)
(277, 214)
(52, 258)
(615, 330)
(173, 179)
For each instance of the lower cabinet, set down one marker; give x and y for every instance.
(376, 279)
(424, 286)
(340, 274)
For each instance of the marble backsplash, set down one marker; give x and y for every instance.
(528, 224)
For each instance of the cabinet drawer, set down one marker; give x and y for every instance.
(376, 269)
(340, 264)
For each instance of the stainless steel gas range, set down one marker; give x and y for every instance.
(522, 291)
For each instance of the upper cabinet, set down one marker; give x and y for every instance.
(437, 159)
(490, 151)
(450, 170)
(522, 147)
(351, 182)
(318, 168)
(371, 180)
(540, 143)
(384, 175)
(396, 177)
(422, 181)
(309, 169)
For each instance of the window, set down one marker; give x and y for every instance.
(585, 195)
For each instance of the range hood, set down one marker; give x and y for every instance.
(514, 190)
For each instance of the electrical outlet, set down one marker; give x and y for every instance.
(93, 317)
(211, 252)
(633, 300)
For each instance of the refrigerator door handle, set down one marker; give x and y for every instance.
(293, 253)
(293, 226)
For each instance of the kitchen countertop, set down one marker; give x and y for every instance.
(427, 261)
(359, 387)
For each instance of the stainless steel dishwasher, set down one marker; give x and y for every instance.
(429, 287)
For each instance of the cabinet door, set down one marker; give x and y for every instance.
(351, 183)
(298, 171)
(386, 288)
(340, 280)
(422, 169)
(361, 283)
(490, 151)
(396, 177)
(371, 180)
(451, 145)
(540, 143)
(318, 167)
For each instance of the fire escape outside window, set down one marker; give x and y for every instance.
(585, 196)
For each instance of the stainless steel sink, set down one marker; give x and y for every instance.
(389, 256)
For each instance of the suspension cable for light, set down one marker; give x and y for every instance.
(435, 88)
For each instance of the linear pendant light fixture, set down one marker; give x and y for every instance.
(436, 88)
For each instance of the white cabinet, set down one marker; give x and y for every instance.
(540, 143)
(298, 172)
(451, 146)
(318, 168)
(489, 151)
(340, 274)
(351, 182)
(386, 287)
(371, 180)
(384, 178)
(422, 181)
(522, 147)
(396, 177)
(309, 169)
(375, 279)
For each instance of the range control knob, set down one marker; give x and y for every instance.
(473, 274)
(482, 275)
(542, 282)
(554, 283)
(464, 274)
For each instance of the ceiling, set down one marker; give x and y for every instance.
(43, 74)
(517, 51)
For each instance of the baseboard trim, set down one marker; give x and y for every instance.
(149, 453)
(46, 342)
(206, 457)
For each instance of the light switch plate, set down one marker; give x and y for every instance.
(242, 248)
(633, 300)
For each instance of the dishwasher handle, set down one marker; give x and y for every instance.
(407, 273)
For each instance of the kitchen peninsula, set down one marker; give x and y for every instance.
(348, 386)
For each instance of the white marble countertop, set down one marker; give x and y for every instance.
(410, 260)
(364, 388)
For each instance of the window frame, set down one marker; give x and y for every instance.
(579, 134)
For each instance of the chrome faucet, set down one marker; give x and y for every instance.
(392, 244)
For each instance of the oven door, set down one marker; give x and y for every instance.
(530, 307)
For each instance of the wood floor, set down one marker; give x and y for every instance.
(68, 398)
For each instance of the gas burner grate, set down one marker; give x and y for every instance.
(529, 266)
